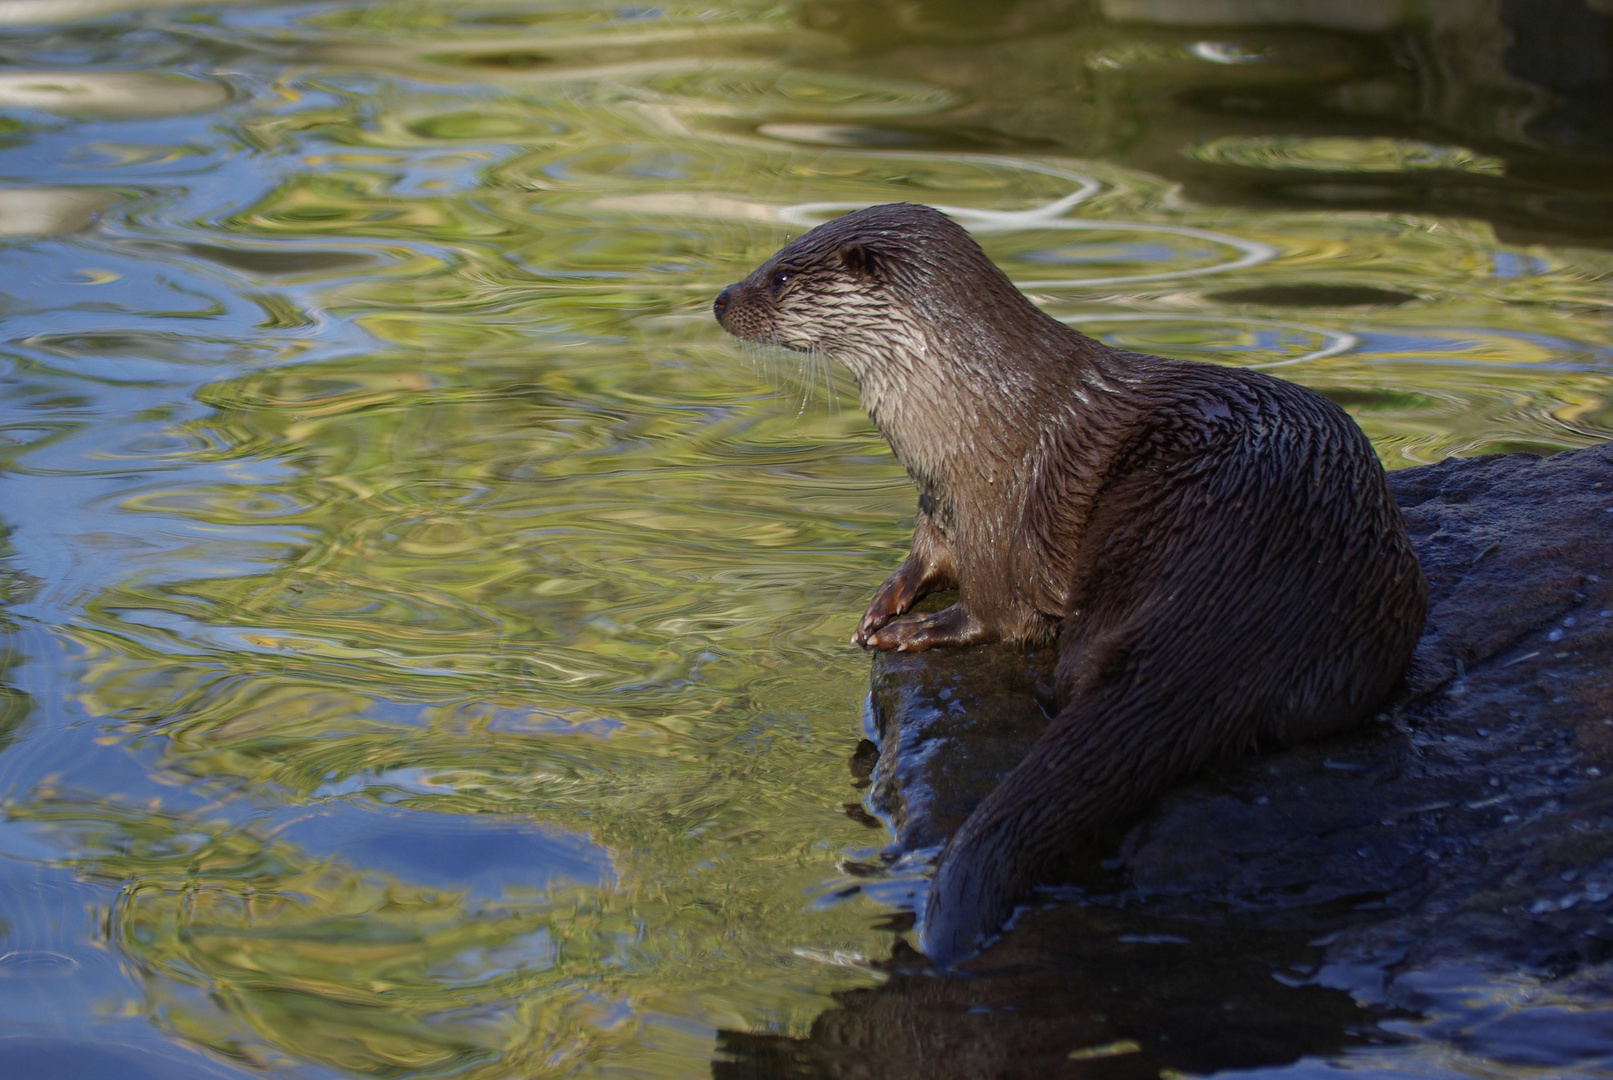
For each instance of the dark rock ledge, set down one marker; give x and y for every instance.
(1416, 877)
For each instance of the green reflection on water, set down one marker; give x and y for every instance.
(402, 476)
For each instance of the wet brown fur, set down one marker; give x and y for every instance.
(1216, 550)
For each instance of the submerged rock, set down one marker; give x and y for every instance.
(1420, 867)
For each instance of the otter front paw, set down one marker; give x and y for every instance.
(894, 597)
(912, 633)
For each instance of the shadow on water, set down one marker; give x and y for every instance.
(1501, 112)
(1104, 993)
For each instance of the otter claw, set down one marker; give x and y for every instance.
(915, 633)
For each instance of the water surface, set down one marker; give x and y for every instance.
(426, 634)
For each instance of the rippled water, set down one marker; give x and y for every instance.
(426, 633)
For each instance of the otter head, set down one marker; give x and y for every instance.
(873, 287)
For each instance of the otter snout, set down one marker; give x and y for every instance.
(720, 305)
(739, 313)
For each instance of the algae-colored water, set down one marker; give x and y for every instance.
(425, 633)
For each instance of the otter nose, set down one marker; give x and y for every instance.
(724, 298)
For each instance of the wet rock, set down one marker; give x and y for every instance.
(948, 733)
(1454, 817)
(1424, 864)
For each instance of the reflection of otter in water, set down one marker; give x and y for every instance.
(1216, 550)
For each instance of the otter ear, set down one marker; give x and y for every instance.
(862, 261)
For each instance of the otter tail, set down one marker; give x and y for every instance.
(1099, 764)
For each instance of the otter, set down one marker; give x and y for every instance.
(1215, 551)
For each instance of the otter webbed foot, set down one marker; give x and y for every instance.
(913, 633)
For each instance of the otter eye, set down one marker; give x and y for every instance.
(780, 279)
